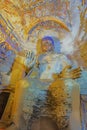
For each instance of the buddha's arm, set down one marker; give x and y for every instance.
(21, 66)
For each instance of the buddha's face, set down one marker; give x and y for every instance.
(46, 46)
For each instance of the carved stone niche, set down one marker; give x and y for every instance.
(6, 101)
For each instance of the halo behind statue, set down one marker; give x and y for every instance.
(37, 30)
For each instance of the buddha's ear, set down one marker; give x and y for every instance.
(38, 47)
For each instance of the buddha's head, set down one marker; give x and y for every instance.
(47, 44)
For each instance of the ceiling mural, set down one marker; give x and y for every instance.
(20, 18)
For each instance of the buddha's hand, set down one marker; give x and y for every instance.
(67, 72)
(30, 59)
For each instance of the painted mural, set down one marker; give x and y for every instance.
(43, 64)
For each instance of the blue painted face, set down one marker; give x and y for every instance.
(47, 44)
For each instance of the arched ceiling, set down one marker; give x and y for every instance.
(20, 14)
(19, 17)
